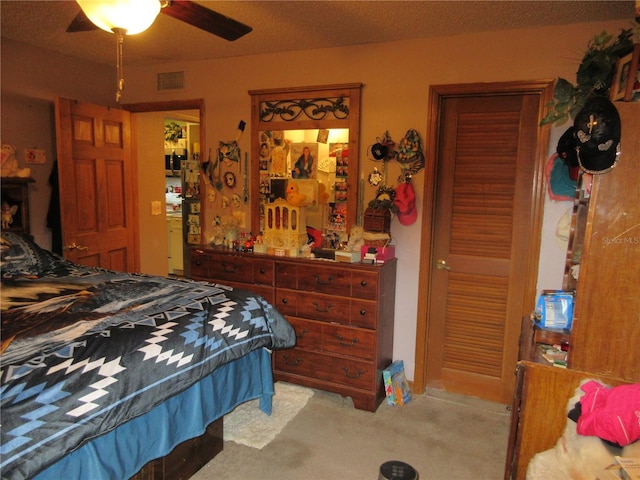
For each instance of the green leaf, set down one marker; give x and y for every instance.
(563, 91)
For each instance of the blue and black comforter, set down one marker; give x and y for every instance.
(86, 349)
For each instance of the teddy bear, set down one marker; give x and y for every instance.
(10, 166)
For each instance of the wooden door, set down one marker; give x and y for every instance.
(486, 229)
(97, 179)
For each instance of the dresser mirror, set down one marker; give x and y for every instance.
(304, 149)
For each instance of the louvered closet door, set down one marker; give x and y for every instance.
(483, 202)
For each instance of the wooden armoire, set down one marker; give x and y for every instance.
(604, 343)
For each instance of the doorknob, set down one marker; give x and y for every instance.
(442, 265)
(74, 246)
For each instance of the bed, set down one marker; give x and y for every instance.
(102, 372)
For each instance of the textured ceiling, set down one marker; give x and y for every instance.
(294, 25)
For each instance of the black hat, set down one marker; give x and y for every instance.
(597, 131)
(566, 148)
(379, 151)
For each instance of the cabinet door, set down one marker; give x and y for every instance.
(605, 332)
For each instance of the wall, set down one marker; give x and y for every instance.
(149, 150)
(30, 80)
(396, 78)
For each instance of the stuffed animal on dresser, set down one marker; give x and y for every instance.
(10, 166)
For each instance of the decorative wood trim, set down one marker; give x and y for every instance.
(350, 94)
(190, 104)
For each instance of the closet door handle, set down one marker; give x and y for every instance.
(442, 265)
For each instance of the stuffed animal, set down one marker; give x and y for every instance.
(294, 197)
(323, 195)
(356, 238)
(10, 166)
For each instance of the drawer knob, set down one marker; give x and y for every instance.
(358, 374)
(292, 363)
(323, 310)
(284, 300)
(262, 270)
(363, 283)
(347, 343)
(363, 312)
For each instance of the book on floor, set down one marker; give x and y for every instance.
(396, 385)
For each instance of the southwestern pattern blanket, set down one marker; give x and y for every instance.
(90, 349)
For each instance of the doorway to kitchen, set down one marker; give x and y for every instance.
(162, 188)
(181, 163)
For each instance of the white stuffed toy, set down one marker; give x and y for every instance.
(575, 456)
(356, 239)
(10, 166)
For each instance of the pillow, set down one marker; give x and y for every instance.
(22, 257)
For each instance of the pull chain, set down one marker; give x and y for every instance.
(120, 33)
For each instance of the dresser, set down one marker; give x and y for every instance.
(343, 315)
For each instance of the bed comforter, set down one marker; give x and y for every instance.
(90, 349)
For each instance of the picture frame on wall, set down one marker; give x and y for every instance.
(626, 79)
(632, 93)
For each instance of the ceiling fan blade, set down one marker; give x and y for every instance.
(205, 19)
(81, 24)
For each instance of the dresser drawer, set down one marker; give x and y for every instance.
(363, 313)
(263, 271)
(286, 275)
(364, 285)
(334, 281)
(308, 334)
(315, 306)
(356, 342)
(262, 290)
(199, 263)
(232, 268)
(335, 369)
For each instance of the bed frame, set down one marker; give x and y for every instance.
(187, 458)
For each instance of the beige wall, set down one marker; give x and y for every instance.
(396, 78)
(151, 184)
(30, 81)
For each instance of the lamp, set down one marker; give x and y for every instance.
(122, 17)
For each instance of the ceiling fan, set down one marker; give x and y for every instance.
(186, 11)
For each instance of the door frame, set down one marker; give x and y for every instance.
(166, 106)
(543, 88)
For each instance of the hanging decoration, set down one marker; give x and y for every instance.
(409, 155)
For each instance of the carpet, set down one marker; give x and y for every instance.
(250, 426)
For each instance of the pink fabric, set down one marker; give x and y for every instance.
(612, 414)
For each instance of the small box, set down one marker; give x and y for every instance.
(383, 254)
(377, 220)
(347, 257)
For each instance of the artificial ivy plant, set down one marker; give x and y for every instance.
(594, 76)
(172, 132)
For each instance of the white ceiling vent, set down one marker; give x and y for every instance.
(170, 81)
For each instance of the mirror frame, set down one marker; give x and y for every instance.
(271, 109)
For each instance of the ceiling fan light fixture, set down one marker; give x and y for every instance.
(134, 16)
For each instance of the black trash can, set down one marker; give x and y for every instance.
(395, 470)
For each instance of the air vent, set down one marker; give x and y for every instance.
(170, 81)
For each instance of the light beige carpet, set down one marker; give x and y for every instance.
(250, 426)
